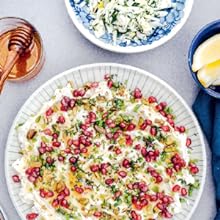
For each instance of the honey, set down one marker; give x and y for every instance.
(30, 62)
(26, 62)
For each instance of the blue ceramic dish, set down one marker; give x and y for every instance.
(170, 25)
(206, 32)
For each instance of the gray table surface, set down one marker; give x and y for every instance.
(65, 48)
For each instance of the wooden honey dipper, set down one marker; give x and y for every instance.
(19, 42)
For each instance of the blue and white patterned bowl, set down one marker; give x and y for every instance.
(172, 23)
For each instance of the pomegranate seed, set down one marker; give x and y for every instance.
(109, 135)
(183, 192)
(103, 171)
(109, 181)
(92, 117)
(188, 142)
(49, 149)
(117, 151)
(75, 93)
(31, 216)
(116, 135)
(73, 160)
(61, 120)
(88, 143)
(160, 195)
(169, 171)
(122, 174)
(67, 151)
(163, 104)
(76, 143)
(138, 205)
(110, 84)
(137, 147)
(49, 112)
(167, 214)
(153, 131)
(88, 133)
(143, 187)
(154, 174)
(64, 203)
(50, 194)
(129, 186)
(72, 103)
(42, 150)
(117, 194)
(106, 76)
(152, 99)
(61, 196)
(55, 136)
(43, 194)
(171, 122)
(66, 191)
(165, 128)
(122, 125)
(176, 188)
(47, 131)
(182, 129)
(144, 202)
(158, 107)
(194, 170)
(31, 179)
(153, 198)
(49, 160)
(128, 140)
(73, 169)
(81, 92)
(159, 179)
(126, 163)
(135, 216)
(84, 150)
(29, 171)
(130, 127)
(163, 113)
(63, 108)
(97, 214)
(144, 151)
(79, 189)
(56, 144)
(76, 151)
(94, 168)
(135, 185)
(160, 206)
(55, 203)
(143, 126)
(108, 122)
(137, 93)
(16, 178)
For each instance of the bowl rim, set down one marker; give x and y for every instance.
(194, 43)
(117, 65)
(130, 49)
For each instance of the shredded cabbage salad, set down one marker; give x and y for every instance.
(127, 20)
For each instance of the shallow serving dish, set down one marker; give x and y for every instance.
(149, 84)
(174, 21)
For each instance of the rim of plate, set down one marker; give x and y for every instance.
(122, 66)
(129, 49)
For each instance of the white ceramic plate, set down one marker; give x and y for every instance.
(80, 16)
(149, 84)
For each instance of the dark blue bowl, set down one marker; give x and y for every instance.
(206, 32)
